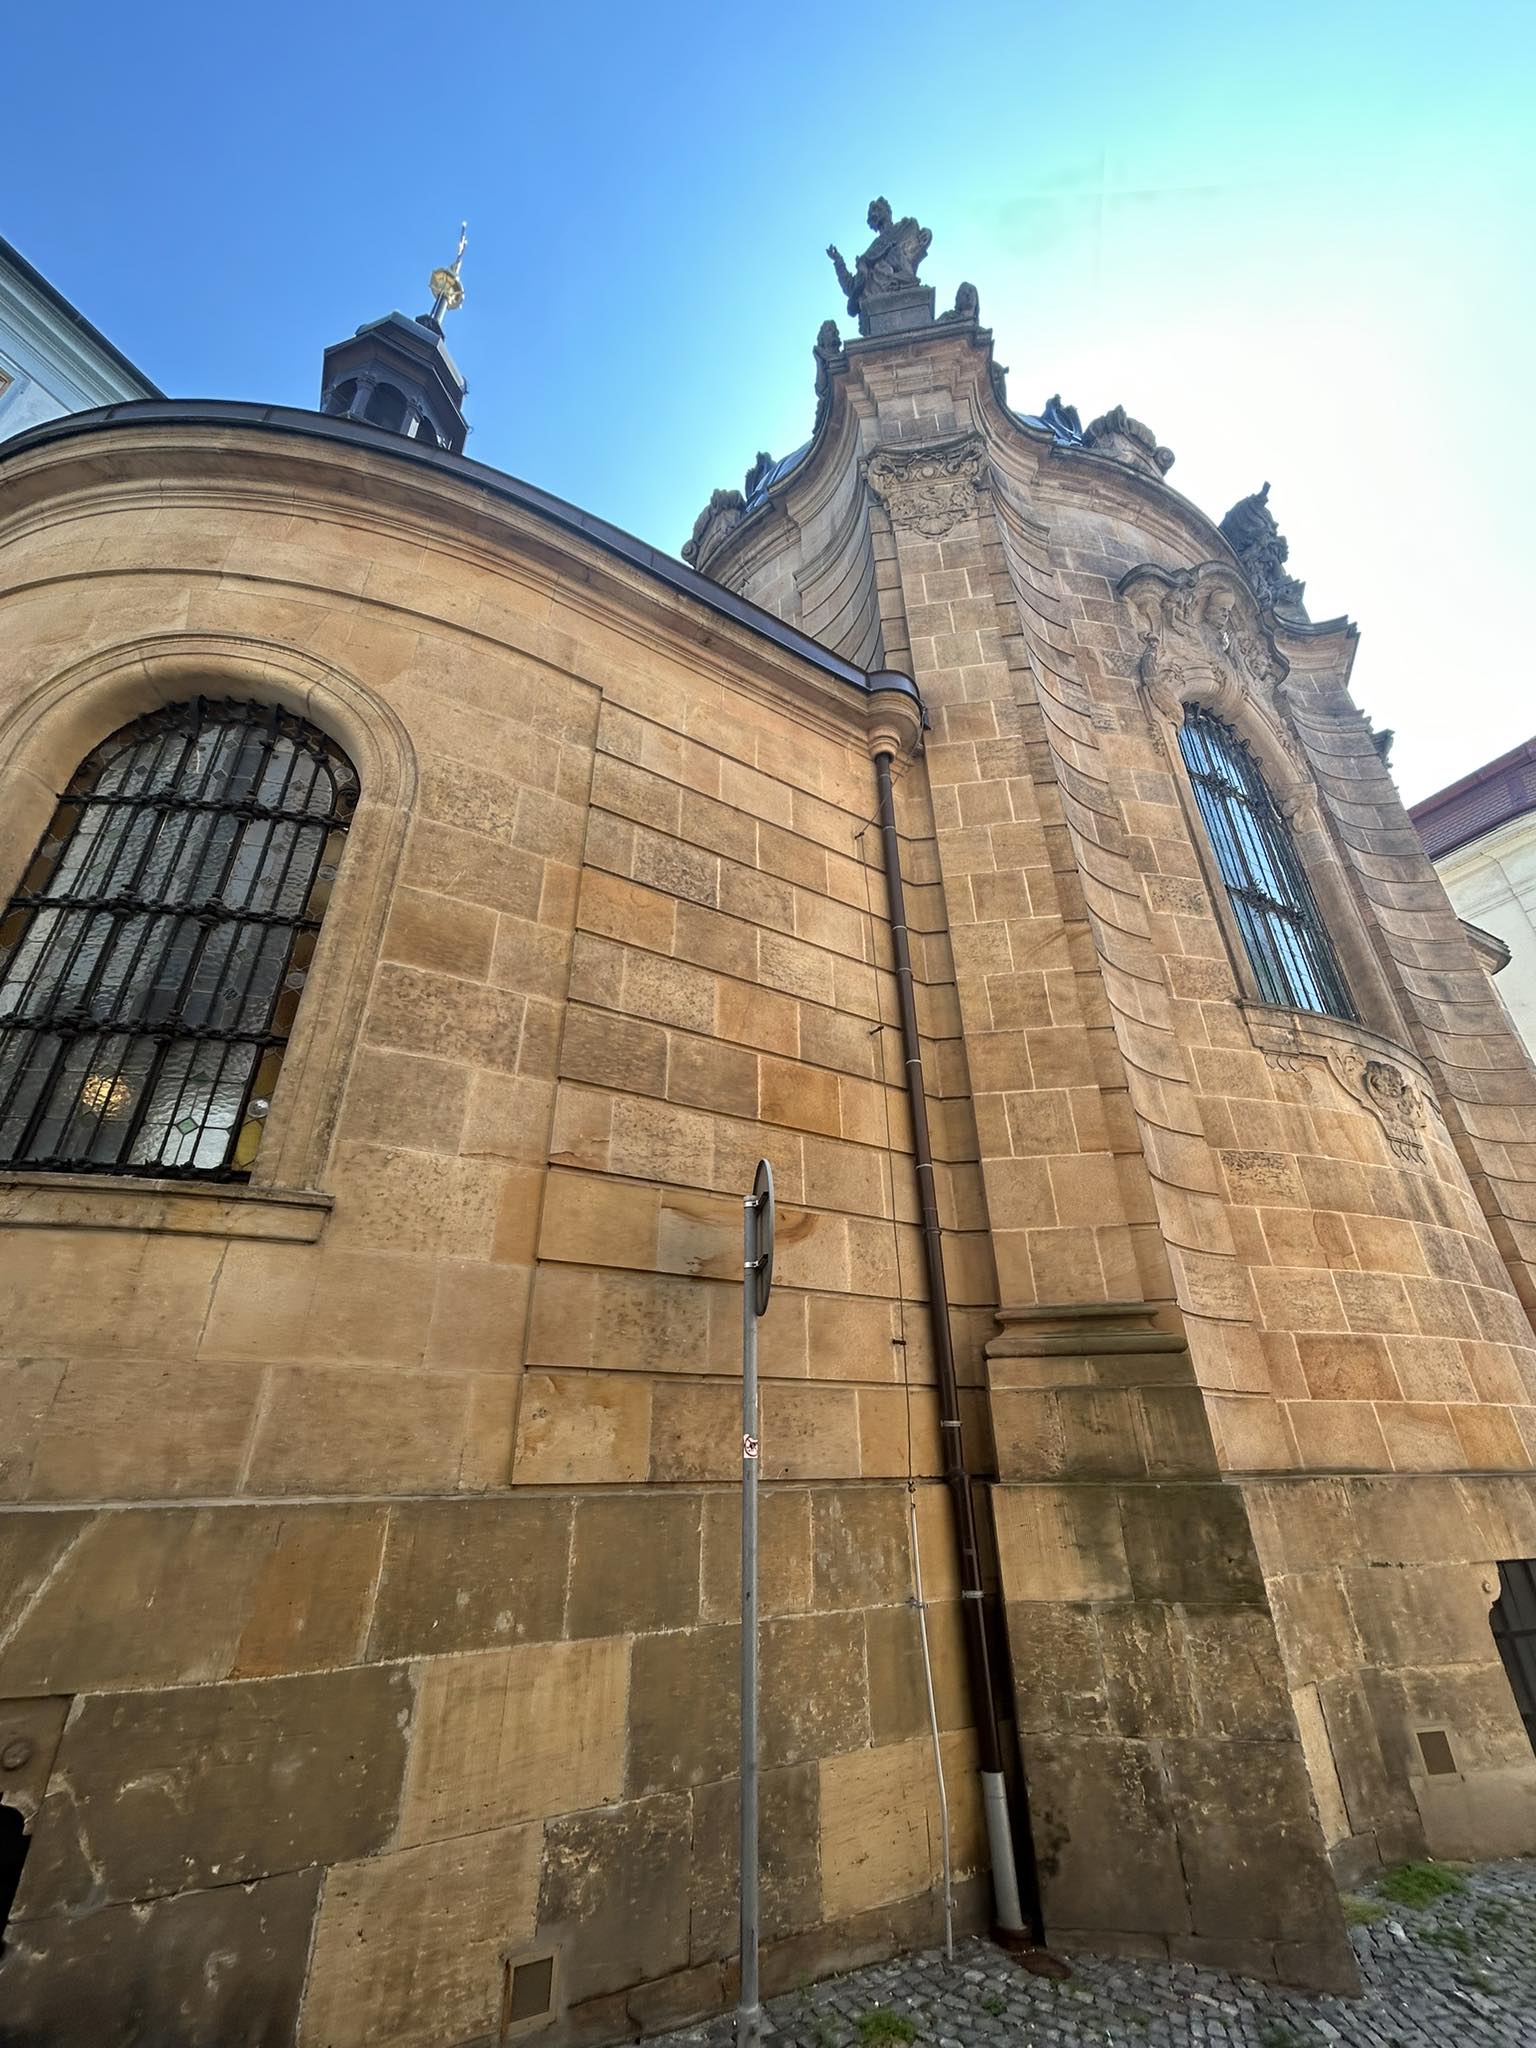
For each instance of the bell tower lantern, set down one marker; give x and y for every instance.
(396, 372)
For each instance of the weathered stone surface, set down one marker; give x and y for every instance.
(684, 1690)
(157, 1792)
(898, 1698)
(1250, 1845)
(471, 1575)
(31, 1546)
(509, 1735)
(789, 1835)
(635, 1564)
(312, 1593)
(206, 1969)
(862, 1548)
(877, 1844)
(784, 1552)
(1104, 1836)
(1190, 1543)
(409, 1947)
(814, 1691)
(615, 1894)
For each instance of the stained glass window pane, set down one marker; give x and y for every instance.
(1292, 957)
(146, 964)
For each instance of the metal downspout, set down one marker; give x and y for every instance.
(1005, 1881)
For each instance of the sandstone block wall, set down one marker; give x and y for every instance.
(371, 1585)
(1230, 1253)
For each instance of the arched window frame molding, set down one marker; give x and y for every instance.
(1203, 642)
(44, 739)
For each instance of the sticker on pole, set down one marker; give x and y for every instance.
(749, 1447)
(761, 1209)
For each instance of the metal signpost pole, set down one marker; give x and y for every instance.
(756, 1280)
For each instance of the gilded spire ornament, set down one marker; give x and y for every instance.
(449, 292)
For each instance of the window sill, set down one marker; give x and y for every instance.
(1301, 1031)
(82, 1201)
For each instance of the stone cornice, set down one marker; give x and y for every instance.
(149, 457)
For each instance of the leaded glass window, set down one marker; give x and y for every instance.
(152, 961)
(1276, 912)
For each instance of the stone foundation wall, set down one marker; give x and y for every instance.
(1381, 1589)
(367, 1752)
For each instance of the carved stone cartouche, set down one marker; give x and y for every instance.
(725, 507)
(1255, 538)
(927, 490)
(1203, 642)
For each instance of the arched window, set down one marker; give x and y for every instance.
(1276, 912)
(386, 408)
(152, 960)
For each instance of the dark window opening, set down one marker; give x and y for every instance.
(1513, 1621)
(14, 1844)
(425, 431)
(1283, 933)
(341, 397)
(386, 408)
(152, 961)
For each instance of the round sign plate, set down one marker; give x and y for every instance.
(762, 1202)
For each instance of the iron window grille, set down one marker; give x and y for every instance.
(1272, 901)
(152, 961)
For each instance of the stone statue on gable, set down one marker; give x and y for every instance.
(1258, 543)
(890, 262)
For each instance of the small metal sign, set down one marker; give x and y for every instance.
(761, 1206)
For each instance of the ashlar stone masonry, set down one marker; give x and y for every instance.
(369, 1607)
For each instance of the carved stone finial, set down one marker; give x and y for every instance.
(1262, 549)
(718, 517)
(967, 304)
(882, 288)
(829, 346)
(1115, 433)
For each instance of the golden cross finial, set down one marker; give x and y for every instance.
(445, 280)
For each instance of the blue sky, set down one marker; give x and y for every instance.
(1296, 240)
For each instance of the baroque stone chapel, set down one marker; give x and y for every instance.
(424, 903)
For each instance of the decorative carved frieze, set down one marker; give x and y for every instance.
(927, 490)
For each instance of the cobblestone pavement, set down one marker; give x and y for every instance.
(1458, 1971)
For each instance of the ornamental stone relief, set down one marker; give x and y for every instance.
(1399, 1102)
(927, 490)
(1393, 1097)
(1203, 642)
